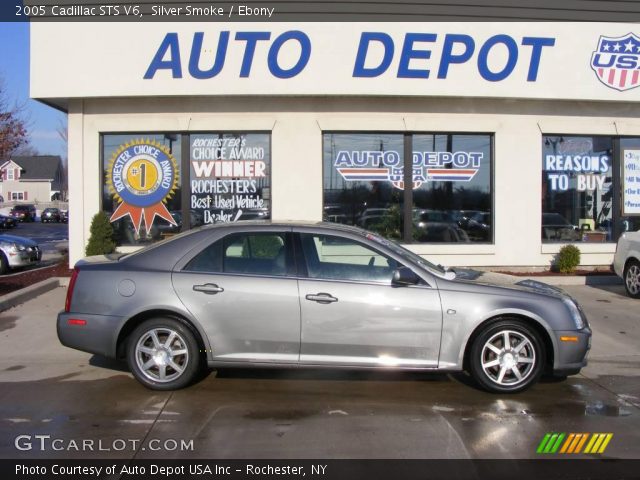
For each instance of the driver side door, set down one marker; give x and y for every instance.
(353, 315)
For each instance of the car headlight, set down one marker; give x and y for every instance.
(575, 312)
(18, 247)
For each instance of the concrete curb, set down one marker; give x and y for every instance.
(20, 296)
(578, 280)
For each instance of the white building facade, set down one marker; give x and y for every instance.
(476, 144)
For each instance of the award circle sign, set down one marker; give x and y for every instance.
(141, 176)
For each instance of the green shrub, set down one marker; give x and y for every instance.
(568, 259)
(101, 238)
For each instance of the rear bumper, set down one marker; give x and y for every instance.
(572, 351)
(99, 335)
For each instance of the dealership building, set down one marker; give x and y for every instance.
(475, 144)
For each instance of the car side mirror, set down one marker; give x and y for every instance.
(404, 276)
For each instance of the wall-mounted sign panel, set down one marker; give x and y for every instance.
(631, 182)
(576, 61)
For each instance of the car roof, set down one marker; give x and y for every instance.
(165, 254)
(285, 224)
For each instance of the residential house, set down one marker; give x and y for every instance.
(31, 178)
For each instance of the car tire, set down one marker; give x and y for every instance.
(499, 366)
(156, 364)
(632, 278)
(4, 264)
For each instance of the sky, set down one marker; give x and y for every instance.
(43, 121)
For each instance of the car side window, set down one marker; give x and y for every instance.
(338, 258)
(250, 253)
(208, 260)
(255, 253)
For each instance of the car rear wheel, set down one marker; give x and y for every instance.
(163, 354)
(632, 278)
(507, 357)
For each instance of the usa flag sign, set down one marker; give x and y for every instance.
(616, 61)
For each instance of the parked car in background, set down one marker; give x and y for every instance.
(310, 295)
(64, 216)
(49, 215)
(626, 262)
(437, 226)
(24, 213)
(18, 252)
(7, 222)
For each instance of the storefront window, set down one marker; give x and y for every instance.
(452, 199)
(630, 175)
(577, 189)
(363, 173)
(230, 177)
(450, 195)
(141, 188)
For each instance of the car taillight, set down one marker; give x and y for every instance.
(72, 284)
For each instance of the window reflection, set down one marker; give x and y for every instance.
(577, 188)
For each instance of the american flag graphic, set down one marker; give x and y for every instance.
(617, 60)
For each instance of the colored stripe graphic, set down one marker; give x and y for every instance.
(573, 443)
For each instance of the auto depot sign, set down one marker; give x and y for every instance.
(519, 60)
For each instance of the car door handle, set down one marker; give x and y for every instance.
(208, 288)
(321, 298)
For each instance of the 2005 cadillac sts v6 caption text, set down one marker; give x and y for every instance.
(321, 295)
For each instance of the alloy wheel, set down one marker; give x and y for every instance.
(161, 354)
(508, 358)
(632, 279)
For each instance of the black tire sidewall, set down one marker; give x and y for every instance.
(4, 264)
(193, 366)
(624, 278)
(475, 367)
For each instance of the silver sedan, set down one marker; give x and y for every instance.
(315, 295)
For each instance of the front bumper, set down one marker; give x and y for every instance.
(572, 351)
(99, 335)
(24, 258)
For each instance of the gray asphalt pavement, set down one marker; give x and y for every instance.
(47, 389)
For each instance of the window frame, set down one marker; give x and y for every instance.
(407, 199)
(616, 180)
(184, 165)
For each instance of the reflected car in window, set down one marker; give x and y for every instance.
(314, 295)
(438, 227)
(556, 227)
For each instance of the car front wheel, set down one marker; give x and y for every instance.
(163, 354)
(632, 279)
(507, 357)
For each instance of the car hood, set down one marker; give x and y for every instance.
(506, 281)
(27, 242)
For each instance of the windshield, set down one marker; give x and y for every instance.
(405, 253)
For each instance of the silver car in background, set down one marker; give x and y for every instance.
(314, 295)
(626, 262)
(18, 252)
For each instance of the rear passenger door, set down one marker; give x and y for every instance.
(243, 291)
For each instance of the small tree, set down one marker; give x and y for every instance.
(568, 259)
(101, 238)
(13, 127)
